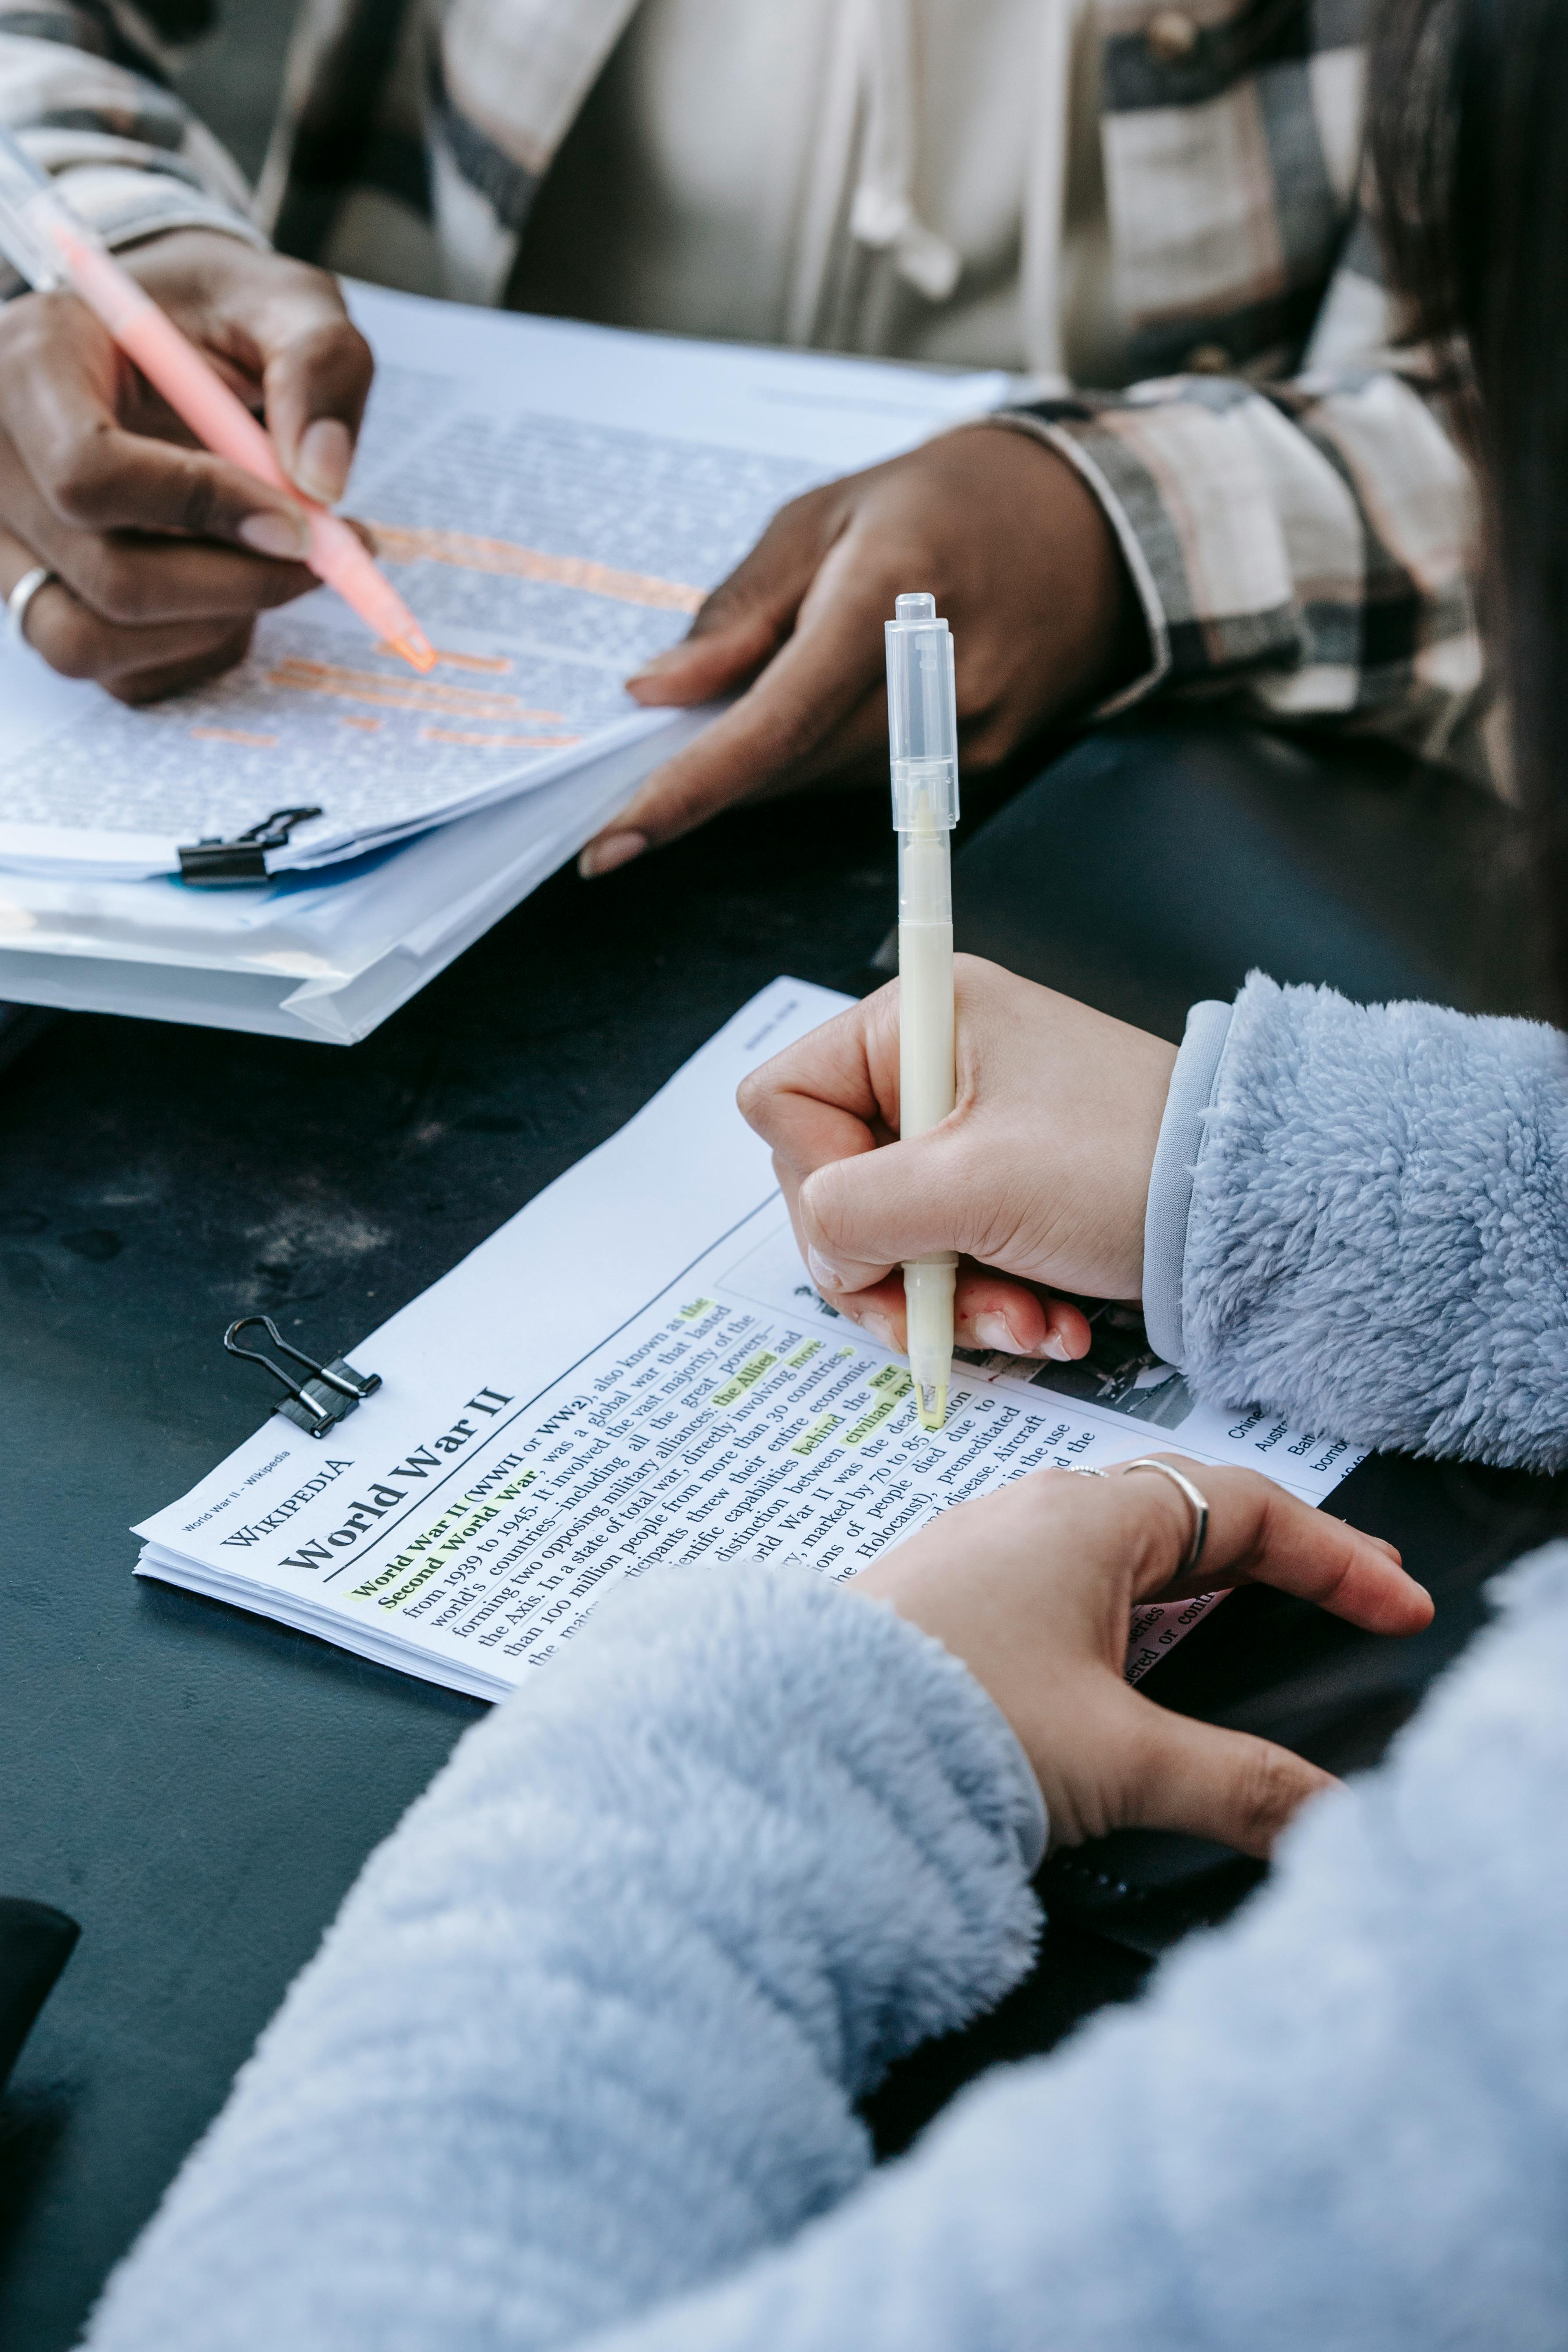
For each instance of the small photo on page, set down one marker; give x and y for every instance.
(1121, 1371)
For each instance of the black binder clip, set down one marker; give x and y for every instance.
(243, 859)
(325, 1400)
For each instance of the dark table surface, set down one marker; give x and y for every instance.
(197, 1787)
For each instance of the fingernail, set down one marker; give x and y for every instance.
(1056, 1346)
(613, 849)
(991, 1330)
(658, 664)
(878, 1328)
(278, 535)
(823, 1271)
(325, 454)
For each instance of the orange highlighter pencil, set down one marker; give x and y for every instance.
(49, 246)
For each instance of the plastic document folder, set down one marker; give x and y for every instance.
(554, 501)
(325, 956)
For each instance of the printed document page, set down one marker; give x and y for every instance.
(635, 1370)
(554, 501)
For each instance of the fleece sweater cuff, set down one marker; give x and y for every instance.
(1170, 1179)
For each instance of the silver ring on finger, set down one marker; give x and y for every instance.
(1198, 1503)
(21, 596)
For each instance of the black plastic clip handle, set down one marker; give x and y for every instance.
(211, 863)
(325, 1400)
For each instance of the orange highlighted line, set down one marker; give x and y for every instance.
(369, 726)
(375, 686)
(235, 735)
(497, 664)
(397, 544)
(499, 742)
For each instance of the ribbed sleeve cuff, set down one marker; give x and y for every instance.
(1170, 1179)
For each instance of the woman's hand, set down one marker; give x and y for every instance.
(1042, 1171)
(1022, 564)
(1033, 1589)
(164, 553)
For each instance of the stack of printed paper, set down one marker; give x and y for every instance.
(554, 501)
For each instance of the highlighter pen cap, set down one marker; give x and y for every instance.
(922, 718)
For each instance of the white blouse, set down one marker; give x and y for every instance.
(915, 177)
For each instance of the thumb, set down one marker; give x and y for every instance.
(316, 376)
(744, 623)
(710, 663)
(1210, 1783)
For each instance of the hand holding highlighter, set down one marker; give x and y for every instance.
(48, 245)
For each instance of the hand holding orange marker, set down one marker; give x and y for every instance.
(49, 246)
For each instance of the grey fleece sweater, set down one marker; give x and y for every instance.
(578, 2062)
(1358, 1216)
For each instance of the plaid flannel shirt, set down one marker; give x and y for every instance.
(1297, 517)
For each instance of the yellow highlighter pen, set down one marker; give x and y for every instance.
(922, 741)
